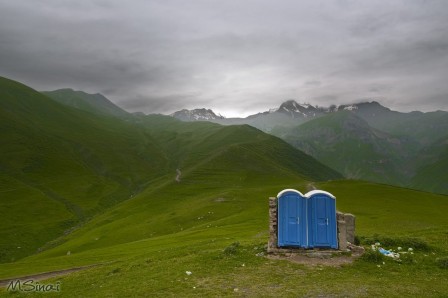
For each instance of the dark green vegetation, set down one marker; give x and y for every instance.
(93, 103)
(364, 141)
(346, 142)
(59, 166)
(118, 201)
(432, 165)
(376, 144)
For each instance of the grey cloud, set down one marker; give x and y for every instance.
(161, 104)
(313, 83)
(233, 56)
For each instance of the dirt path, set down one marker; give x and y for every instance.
(178, 174)
(310, 186)
(45, 275)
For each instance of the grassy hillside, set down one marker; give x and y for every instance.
(112, 184)
(415, 125)
(93, 103)
(432, 172)
(348, 144)
(64, 165)
(59, 166)
(145, 245)
(192, 143)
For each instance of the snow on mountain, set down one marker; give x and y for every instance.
(196, 115)
(296, 110)
(351, 108)
(289, 109)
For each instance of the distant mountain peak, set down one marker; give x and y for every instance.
(296, 110)
(196, 115)
(93, 103)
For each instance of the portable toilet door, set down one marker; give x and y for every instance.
(322, 214)
(292, 219)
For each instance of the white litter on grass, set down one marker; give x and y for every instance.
(188, 272)
(389, 253)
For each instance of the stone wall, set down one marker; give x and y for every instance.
(345, 224)
(272, 243)
(346, 229)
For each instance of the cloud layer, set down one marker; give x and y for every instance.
(237, 57)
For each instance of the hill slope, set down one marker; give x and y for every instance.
(432, 168)
(348, 144)
(59, 166)
(370, 142)
(73, 164)
(94, 103)
(203, 235)
(415, 125)
(193, 226)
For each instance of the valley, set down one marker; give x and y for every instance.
(89, 184)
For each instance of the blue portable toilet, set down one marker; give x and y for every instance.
(322, 231)
(292, 219)
(306, 221)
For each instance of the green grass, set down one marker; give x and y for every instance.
(144, 230)
(349, 145)
(432, 174)
(60, 166)
(93, 103)
(193, 233)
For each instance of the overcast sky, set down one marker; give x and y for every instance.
(234, 56)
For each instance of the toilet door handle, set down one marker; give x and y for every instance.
(327, 221)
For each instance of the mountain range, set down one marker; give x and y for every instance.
(93, 103)
(196, 115)
(74, 155)
(362, 141)
(111, 155)
(148, 205)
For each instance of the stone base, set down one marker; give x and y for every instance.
(320, 253)
(345, 234)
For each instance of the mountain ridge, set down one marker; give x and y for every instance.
(391, 141)
(347, 143)
(72, 164)
(94, 103)
(196, 115)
